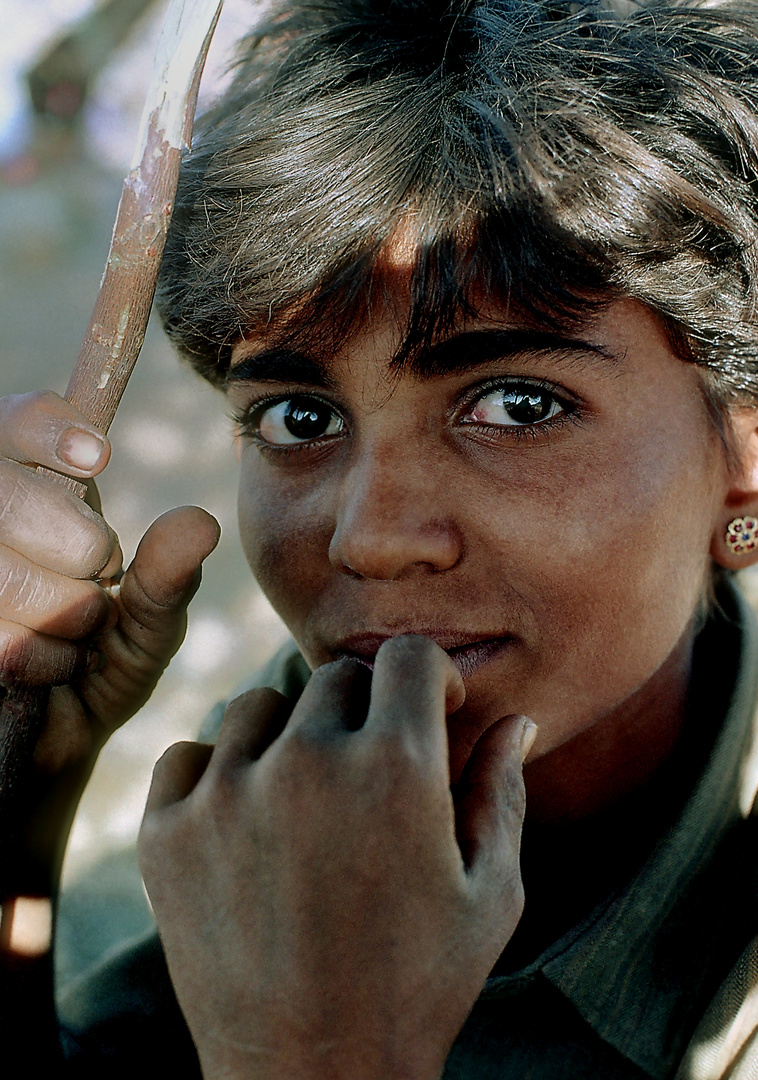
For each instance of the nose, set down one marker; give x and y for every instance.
(392, 520)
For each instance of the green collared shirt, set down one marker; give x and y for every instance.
(660, 981)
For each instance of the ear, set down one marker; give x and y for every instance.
(735, 541)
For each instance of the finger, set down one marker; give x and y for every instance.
(113, 569)
(489, 799)
(176, 774)
(51, 526)
(67, 735)
(335, 701)
(31, 659)
(415, 685)
(43, 600)
(44, 429)
(164, 576)
(252, 722)
(151, 604)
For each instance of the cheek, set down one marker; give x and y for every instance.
(284, 536)
(612, 559)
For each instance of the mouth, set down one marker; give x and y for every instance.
(467, 656)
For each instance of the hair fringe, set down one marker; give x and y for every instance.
(548, 154)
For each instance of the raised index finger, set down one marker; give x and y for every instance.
(43, 429)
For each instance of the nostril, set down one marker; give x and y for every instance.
(346, 569)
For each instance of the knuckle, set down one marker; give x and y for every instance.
(250, 702)
(38, 516)
(14, 494)
(154, 841)
(93, 606)
(396, 748)
(305, 746)
(30, 407)
(394, 761)
(217, 803)
(513, 887)
(298, 772)
(512, 796)
(14, 408)
(30, 424)
(148, 837)
(219, 787)
(19, 584)
(169, 759)
(16, 649)
(28, 658)
(38, 599)
(220, 781)
(88, 545)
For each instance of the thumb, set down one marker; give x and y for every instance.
(489, 800)
(150, 611)
(163, 578)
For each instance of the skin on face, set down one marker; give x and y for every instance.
(542, 507)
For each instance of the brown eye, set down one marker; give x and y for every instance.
(297, 419)
(515, 406)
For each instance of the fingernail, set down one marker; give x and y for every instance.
(80, 449)
(528, 735)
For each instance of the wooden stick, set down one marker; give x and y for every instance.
(119, 320)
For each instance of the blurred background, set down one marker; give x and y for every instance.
(73, 75)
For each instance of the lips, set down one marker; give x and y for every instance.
(468, 656)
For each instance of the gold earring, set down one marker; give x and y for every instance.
(742, 535)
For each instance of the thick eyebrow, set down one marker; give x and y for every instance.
(464, 351)
(476, 347)
(280, 365)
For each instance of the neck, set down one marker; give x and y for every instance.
(617, 756)
(596, 805)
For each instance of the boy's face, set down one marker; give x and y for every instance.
(541, 508)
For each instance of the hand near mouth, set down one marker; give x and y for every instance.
(326, 909)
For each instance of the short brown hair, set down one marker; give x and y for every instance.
(549, 153)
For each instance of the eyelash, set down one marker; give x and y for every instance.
(570, 410)
(246, 417)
